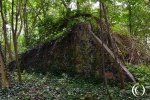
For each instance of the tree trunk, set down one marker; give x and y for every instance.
(103, 51)
(5, 32)
(15, 35)
(25, 15)
(3, 74)
(130, 14)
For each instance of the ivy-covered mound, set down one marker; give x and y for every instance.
(75, 53)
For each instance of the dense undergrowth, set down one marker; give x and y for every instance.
(49, 87)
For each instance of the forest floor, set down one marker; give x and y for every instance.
(49, 87)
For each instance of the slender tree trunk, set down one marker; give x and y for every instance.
(115, 49)
(17, 57)
(3, 73)
(103, 52)
(15, 36)
(5, 32)
(25, 17)
(130, 15)
(130, 28)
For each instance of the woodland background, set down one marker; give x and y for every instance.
(50, 43)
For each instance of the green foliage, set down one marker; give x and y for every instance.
(119, 16)
(141, 73)
(48, 87)
(21, 46)
(51, 28)
(47, 28)
(44, 17)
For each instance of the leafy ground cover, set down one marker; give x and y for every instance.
(49, 87)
